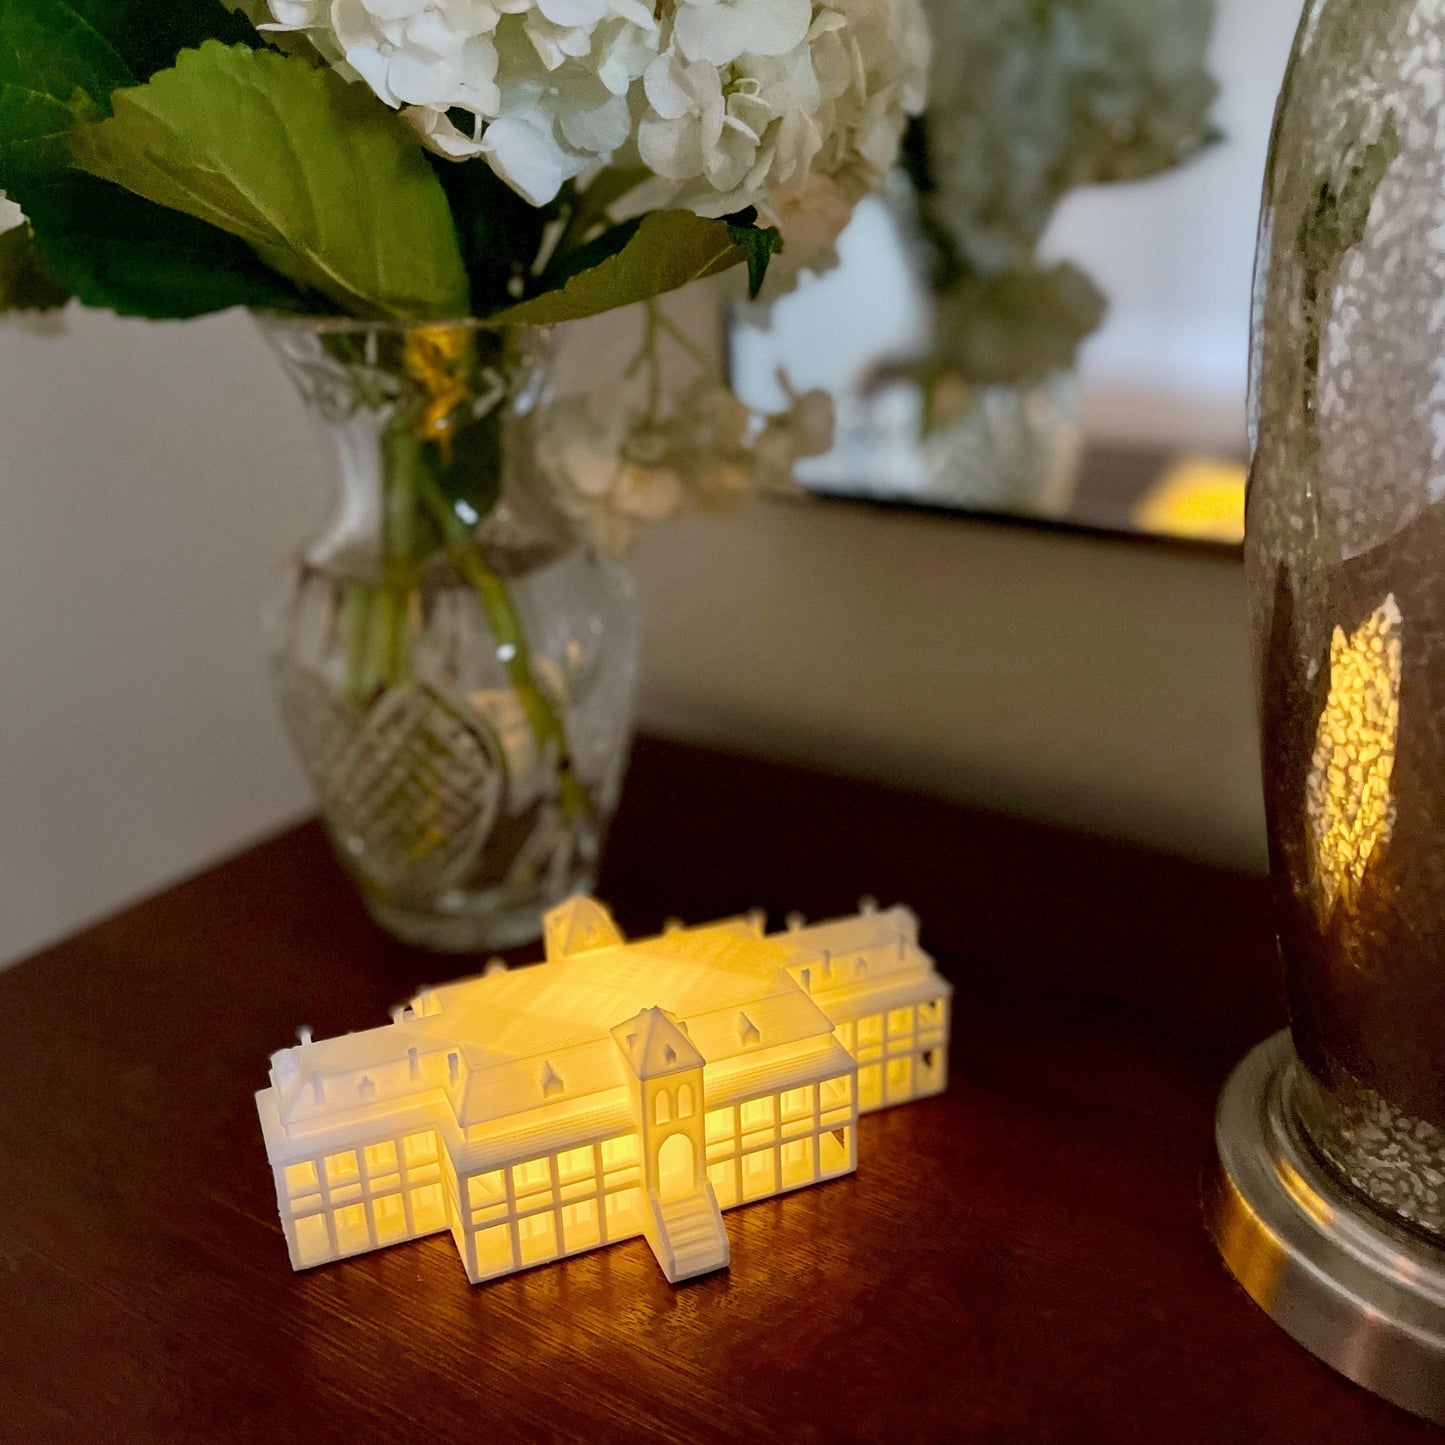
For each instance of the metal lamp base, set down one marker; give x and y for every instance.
(1365, 1296)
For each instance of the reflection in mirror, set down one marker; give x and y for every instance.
(1017, 452)
(960, 336)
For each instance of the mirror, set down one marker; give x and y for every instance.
(1134, 426)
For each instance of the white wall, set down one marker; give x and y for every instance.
(1176, 254)
(151, 478)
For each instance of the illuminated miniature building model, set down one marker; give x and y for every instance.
(615, 1090)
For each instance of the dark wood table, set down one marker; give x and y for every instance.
(1034, 1269)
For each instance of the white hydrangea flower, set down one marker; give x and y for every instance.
(11, 215)
(726, 102)
(723, 31)
(617, 473)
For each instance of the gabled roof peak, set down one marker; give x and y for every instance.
(655, 1044)
(580, 925)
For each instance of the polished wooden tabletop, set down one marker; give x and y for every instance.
(1029, 1266)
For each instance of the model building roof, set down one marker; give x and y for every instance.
(510, 1042)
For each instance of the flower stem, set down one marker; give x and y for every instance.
(513, 650)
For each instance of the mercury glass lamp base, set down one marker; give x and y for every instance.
(1363, 1294)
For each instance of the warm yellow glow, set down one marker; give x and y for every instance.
(1197, 497)
(381, 1158)
(302, 1178)
(554, 1109)
(1349, 799)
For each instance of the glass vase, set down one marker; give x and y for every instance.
(1333, 1140)
(455, 668)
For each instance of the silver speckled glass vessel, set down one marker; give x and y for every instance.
(1346, 560)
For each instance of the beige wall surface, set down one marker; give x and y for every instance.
(150, 478)
(1098, 684)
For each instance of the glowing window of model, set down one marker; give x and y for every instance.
(380, 1159)
(833, 1151)
(619, 1153)
(390, 1216)
(351, 1231)
(581, 1228)
(313, 1243)
(796, 1103)
(494, 1249)
(759, 1175)
(421, 1149)
(900, 1023)
(685, 1105)
(428, 1209)
(537, 1238)
(622, 1204)
(719, 1125)
(661, 1109)
(870, 1031)
(757, 1114)
(577, 1164)
(301, 1178)
(798, 1162)
(341, 1168)
(724, 1181)
(485, 1189)
(532, 1176)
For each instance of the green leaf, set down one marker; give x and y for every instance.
(669, 250)
(58, 57)
(117, 251)
(569, 263)
(331, 189)
(25, 283)
(60, 60)
(761, 244)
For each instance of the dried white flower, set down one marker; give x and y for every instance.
(616, 472)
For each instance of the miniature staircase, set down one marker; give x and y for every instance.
(687, 1235)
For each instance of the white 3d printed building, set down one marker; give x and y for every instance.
(617, 1089)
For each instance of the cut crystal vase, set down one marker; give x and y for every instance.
(1331, 1203)
(455, 667)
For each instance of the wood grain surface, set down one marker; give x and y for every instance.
(1021, 1260)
